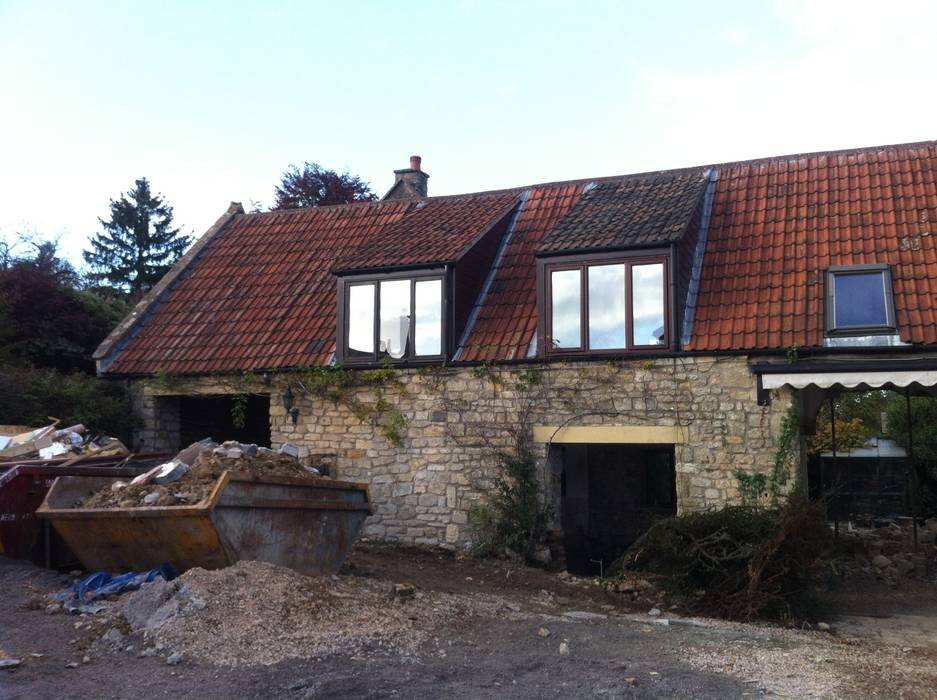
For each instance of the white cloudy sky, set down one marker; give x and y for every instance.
(212, 100)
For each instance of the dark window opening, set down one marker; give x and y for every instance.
(214, 417)
(612, 304)
(391, 319)
(611, 495)
(859, 300)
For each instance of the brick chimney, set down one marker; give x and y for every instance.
(409, 182)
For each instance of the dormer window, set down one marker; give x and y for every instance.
(605, 305)
(395, 318)
(859, 300)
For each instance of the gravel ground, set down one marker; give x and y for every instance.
(472, 630)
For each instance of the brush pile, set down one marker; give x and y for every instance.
(737, 562)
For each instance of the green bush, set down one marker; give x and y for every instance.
(28, 396)
(738, 562)
(514, 517)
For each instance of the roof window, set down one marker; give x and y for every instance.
(859, 300)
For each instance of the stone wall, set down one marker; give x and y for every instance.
(158, 417)
(452, 422)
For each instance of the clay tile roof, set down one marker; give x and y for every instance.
(778, 225)
(507, 316)
(259, 293)
(434, 231)
(631, 212)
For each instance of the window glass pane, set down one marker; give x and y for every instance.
(606, 307)
(395, 317)
(360, 320)
(565, 296)
(647, 295)
(860, 299)
(427, 329)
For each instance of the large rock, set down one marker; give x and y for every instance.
(880, 561)
(157, 602)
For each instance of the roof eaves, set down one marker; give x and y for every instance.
(106, 352)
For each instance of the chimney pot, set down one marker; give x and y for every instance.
(409, 182)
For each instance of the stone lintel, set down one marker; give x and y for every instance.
(612, 434)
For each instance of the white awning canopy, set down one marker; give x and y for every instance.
(849, 380)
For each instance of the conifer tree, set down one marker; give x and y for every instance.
(138, 244)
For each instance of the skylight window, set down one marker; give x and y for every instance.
(859, 300)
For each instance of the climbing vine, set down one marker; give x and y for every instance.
(772, 487)
(341, 386)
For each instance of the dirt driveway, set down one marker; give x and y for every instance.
(551, 638)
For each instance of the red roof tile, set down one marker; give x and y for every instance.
(435, 231)
(629, 212)
(261, 293)
(507, 316)
(777, 225)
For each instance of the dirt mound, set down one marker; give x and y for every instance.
(197, 483)
(259, 613)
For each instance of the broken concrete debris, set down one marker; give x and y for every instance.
(290, 450)
(189, 477)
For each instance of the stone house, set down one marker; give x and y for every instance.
(647, 335)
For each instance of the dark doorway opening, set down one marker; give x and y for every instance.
(611, 494)
(213, 416)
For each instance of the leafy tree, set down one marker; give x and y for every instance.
(850, 434)
(138, 244)
(45, 320)
(923, 435)
(313, 186)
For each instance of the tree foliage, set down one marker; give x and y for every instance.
(313, 186)
(46, 320)
(29, 395)
(49, 326)
(138, 244)
(850, 434)
(920, 441)
(514, 518)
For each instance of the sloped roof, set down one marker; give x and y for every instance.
(260, 295)
(434, 231)
(778, 224)
(260, 292)
(507, 315)
(627, 213)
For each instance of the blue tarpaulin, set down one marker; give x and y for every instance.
(81, 595)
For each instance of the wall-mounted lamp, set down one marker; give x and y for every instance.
(287, 399)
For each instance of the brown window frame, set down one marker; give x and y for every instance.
(344, 286)
(629, 260)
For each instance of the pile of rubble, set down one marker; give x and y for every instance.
(68, 445)
(191, 475)
(255, 612)
(888, 551)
